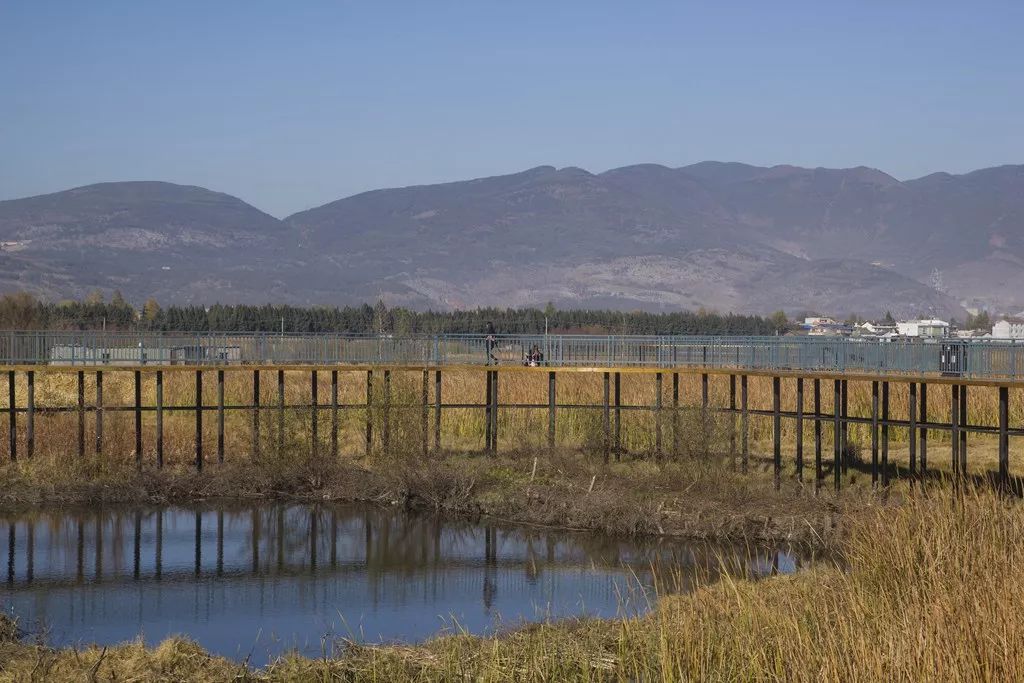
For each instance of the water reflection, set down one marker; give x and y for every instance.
(255, 581)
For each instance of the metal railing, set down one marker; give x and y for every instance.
(987, 359)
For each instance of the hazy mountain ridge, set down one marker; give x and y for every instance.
(725, 235)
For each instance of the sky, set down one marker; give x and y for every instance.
(289, 105)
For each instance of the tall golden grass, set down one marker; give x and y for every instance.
(462, 429)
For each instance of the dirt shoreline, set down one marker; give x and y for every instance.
(687, 500)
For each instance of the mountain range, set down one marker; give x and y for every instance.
(727, 236)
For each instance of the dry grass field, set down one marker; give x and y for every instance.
(463, 429)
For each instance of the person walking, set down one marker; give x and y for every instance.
(490, 342)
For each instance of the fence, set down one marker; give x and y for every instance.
(989, 359)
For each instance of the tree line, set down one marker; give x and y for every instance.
(25, 312)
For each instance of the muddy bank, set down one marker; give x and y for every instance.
(692, 499)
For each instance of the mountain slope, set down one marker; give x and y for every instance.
(581, 239)
(724, 235)
(135, 215)
(176, 242)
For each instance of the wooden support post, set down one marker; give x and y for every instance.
(425, 413)
(552, 403)
(81, 413)
(220, 416)
(606, 422)
(924, 430)
(777, 430)
(99, 412)
(912, 429)
(12, 416)
(885, 434)
(963, 422)
(657, 414)
(732, 419)
(818, 472)
(369, 412)
(618, 416)
(844, 426)
(874, 433)
(30, 414)
(954, 432)
(314, 400)
(800, 429)
(280, 412)
(1004, 439)
(159, 418)
(334, 414)
(494, 414)
(837, 456)
(437, 411)
(675, 415)
(744, 424)
(138, 415)
(255, 414)
(487, 413)
(385, 429)
(704, 395)
(199, 421)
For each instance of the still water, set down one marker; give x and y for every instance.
(252, 582)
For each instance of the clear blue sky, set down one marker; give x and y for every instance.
(292, 104)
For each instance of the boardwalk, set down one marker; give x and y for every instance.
(975, 360)
(796, 368)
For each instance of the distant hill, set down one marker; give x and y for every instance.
(728, 236)
(174, 242)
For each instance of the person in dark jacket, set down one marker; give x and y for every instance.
(535, 358)
(490, 342)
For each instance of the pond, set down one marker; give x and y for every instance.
(252, 582)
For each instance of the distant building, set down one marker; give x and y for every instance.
(829, 330)
(1008, 328)
(924, 329)
(818, 321)
(870, 329)
(138, 355)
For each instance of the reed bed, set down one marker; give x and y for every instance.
(463, 429)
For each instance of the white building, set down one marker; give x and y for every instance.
(876, 329)
(925, 329)
(818, 321)
(1008, 328)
